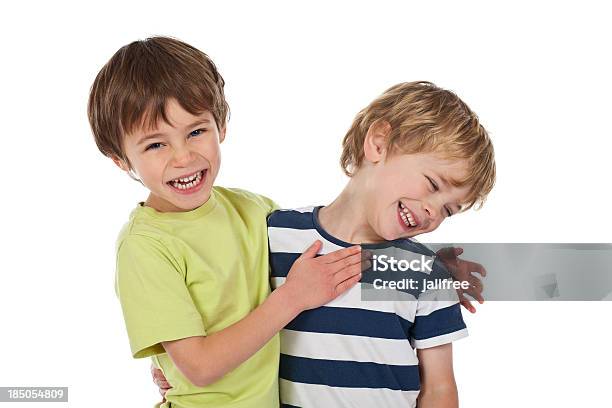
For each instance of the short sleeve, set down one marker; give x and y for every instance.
(154, 298)
(269, 204)
(438, 320)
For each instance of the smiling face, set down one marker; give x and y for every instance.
(410, 194)
(407, 194)
(177, 162)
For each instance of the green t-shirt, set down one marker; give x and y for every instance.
(195, 273)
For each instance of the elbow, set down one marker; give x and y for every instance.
(439, 396)
(192, 359)
(202, 379)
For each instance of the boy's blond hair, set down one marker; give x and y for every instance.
(131, 91)
(424, 119)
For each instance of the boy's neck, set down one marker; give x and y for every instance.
(346, 217)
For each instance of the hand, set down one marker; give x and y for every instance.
(315, 281)
(160, 381)
(461, 270)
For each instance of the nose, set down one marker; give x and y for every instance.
(182, 157)
(430, 210)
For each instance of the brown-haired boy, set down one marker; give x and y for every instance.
(192, 261)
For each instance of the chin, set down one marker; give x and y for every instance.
(387, 236)
(192, 205)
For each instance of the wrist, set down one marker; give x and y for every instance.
(286, 298)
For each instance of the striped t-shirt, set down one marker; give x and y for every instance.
(351, 352)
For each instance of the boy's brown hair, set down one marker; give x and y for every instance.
(133, 87)
(424, 119)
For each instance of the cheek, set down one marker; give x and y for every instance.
(211, 150)
(419, 189)
(435, 225)
(150, 170)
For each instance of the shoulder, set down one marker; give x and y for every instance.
(138, 246)
(140, 230)
(244, 199)
(300, 218)
(147, 240)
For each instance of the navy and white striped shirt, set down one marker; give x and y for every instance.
(350, 352)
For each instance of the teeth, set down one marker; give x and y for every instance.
(188, 179)
(185, 183)
(406, 216)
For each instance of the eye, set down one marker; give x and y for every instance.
(197, 132)
(449, 213)
(433, 183)
(153, 146)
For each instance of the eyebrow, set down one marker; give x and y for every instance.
(448, 182)
(156, 135)
(443, 179)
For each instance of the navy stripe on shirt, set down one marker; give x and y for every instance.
(438, 323)
(290, 219)
(350, 321)
(351, 374)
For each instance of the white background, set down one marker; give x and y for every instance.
(538, 75)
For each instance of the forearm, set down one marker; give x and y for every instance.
(438, 386)
(311, 282)
(204, 360)
(440, 397)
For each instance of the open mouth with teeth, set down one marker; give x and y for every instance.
(188, 184)
(406, 217)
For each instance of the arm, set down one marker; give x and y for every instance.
(205, 359)
(311, 282)
(438, 387)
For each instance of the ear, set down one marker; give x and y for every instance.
(121, 163)
(222, 133)
(375, 143)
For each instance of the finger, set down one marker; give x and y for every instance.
(158, 375)
(468, 305)
(475, 283)
(347, 273)
(445, 252)
(475, 294)
(365, 265)
(345, 263)
(476, 267)
(347, 284)
(312, 250)
(463, 301)
(475, 291)
(340, 254)
(456, 273)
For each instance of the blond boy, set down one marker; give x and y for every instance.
(416, 156)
